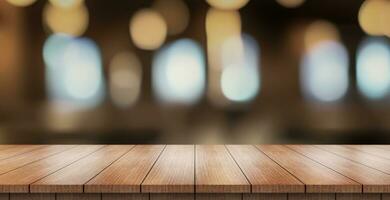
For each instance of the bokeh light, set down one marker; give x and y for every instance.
(21, 2)
(179, 72)
(291, 3)
(318, 32)
(240, 80)
(125, 79)
(324, 72)
(69, 20)
(227, 4)
(374, 17)
(148, 29)
(73, 70)
(66, 3)
(373, 68)
(175, 13)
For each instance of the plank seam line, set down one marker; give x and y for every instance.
(146, 175)
(351, 159)
(34, 149)
(361, 189)
(29, 185)
(121, 156)
(366, 152)
(281, 167)
(242, 171)
(39, 160)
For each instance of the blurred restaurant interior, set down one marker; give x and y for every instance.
(195, 71)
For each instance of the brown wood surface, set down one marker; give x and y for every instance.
(371, 150)
(127, 173)
(176, 196)
(358, 196)
(318, 178)
(173, 172)
(265, 197)
(311, 196)
(72, 178)
(217, 172)
(14, 162)
(218, 196)
(78, 196)
(125, 197)
(265, 175)
(364, 158)
(32, 197)
(19, 179)
(372, 180)
(17, 150)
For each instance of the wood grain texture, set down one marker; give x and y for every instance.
(358, 196)
(311, 197)
(264, 175)
(218, 196)
(172, 196)
(359, 156)
(14, 162)
(17, 150)
(372, 180)
(32, 196)
(371, 150)
(265, 197)
(318, 178)
(19, 179)
(127, 173)
(71, 178)
(217, 172)
(173, 172)
(83, 196)
(125, 196)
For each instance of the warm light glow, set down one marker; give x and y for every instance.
(125, 79)
(179, 72)
(73, 70)
(228, 4)
(73, 20)
(291, 3)
(148, 29)
(373, 68)
(175, 13)
(240, 77)
(66, 3)
(318, 32)
(324, 72)
(374, 17)
(21, 2)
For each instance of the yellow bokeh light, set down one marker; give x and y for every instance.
(21, 2)
(148, 29)
(175, 13)
(227, 4)
(290, 3)
(73, 21)
(374, 16)
(66, 3)
(320, 31)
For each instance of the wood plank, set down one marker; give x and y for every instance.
(218, 196)
(371, 150)
(4, 196)
(385, 196)
(12, 163)
(217, 172)
(358, 196)
(17, 150)
(19, 179)
(316, 177)
(126, 174)
(71, 178)
(359, 156)
(172, 196)
(311, 196)
(173, 172)
(263, 173)
(125, 197)
(28, 196)
(6, 146)
(265, 197)
(373, 181)
(74, 196)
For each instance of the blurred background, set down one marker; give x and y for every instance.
(194, 71)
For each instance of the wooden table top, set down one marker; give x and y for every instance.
(194, 169)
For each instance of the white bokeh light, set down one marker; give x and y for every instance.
(373, 68)
(324, 72)
(179, 72)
